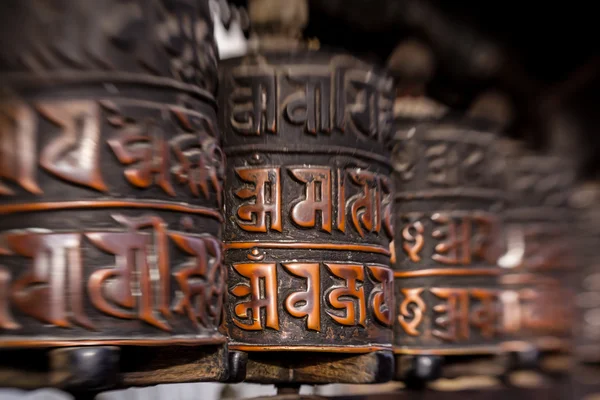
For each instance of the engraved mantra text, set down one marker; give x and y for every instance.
(459, 239)
(443, 164)
(348, 303)
(345, 99)
(370, 208)
(459, 310)
(172, 145)
(137, 286)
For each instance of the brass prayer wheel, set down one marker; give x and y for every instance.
(111, 179)
(448, 206)
(308, 215)
(539, 262)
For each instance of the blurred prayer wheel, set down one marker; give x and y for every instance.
(587, 278)
(539, 262)
(517, 285)
(110, 193)
(308, 216)
(448, 221)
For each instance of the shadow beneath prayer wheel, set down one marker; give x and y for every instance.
(90, 369)
(319, 368)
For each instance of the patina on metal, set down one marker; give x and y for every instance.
(308, 213)
(111, 179)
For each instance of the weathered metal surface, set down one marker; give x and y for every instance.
(448, 226)
(110, 175)
(539, 262)
(308, 203)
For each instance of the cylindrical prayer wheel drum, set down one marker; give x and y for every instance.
(308, 216)
(111, 180)
(539, 262)
(447, 204)
(517, 283)
(586, 201)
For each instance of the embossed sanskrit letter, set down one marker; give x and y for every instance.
(412, 240)
(259, 275)
(18, 124)
(442, 165)
(310, 298)
(318, 198)
(74, 154)
(365, 112)
(484, 315)
(366, 206)
(343, 298)
(6, 320)
(199, 159)
(253, 102)
(468, 238)
(194, 278)
(382, 297)
(132, 272)
(51, 291)
(457, 249)
(387, 203)
(411, 296)
(142, 144)
(267, 199)
(311, 106)
(457, 314)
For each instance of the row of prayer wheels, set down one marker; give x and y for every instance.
(285, 217)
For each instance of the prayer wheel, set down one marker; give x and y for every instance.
(587, 278)
(448, 204)
(518, 340)
(308, 221)
(539, 262)
(111, 178)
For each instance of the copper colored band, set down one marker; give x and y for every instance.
(545, 344)
(549, 343)
(485, 194)
(320, 349)
(32, 343)
(309, 246)
(525, 278)
(455, 351)
(517, 345)
(330, 149)
(91, 204)
(448, 272)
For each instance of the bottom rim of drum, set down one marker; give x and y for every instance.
(41, 343)
(309, 348)
(458, 351)
(550, 343)
(541, 344)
